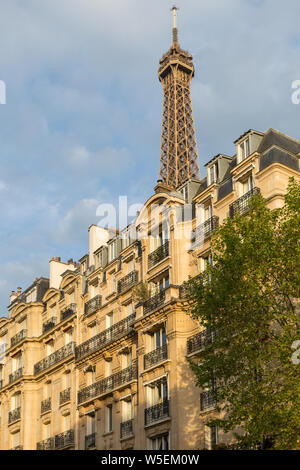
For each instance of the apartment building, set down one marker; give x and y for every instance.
(90, 361)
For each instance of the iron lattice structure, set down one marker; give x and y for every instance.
(179, 157)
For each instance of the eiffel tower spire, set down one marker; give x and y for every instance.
(178, 156)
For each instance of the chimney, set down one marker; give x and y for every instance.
(19, 291)
(13, 296)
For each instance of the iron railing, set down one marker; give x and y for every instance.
(107, 336)
(92, 305)
(156, 356)
(90, 441)
(127, 281)
(54, 358)
(65, 396)
(18, 338)
(203, 231)
(108, 384)
(48, 325)
(157, 412)
(158, 255)
(126, 429)
(198, 341)
(14, 415)
(17, 448)
(46, 444)
(208, 399)
(154, 302)
(201, 278)
(65, 439)
(241, 205)
(46, 405)
(68, 312)
(17, 374)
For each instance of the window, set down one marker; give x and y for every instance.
(108, 418)
(213, 173)
(47, 390)
(245, 149)
(126, 360)
(127, 412)
(211, 437)
(129, 309)
(185, 193)
(15, 401)
(247, 185)
(108, 368)
(130, 266)
(15, 439)
(17, 363)
(50, 348)
(67, 381)
(113, 284)
(159, 443)
(69, 336)
(207, 212)
(112, 251)
(92, 330)
(157, 392)
(47, 431)
(158, 339)
(90, 424)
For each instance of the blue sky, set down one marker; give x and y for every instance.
(82, 121)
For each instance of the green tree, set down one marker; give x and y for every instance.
(248, 298)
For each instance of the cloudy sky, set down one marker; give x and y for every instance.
(83, 114)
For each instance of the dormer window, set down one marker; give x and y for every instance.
(213, 173)
(245, 149)
(112, 251)
(185, 193)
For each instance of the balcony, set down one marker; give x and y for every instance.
(65, 439)
(68, 312)
(18, 338)
(157, 412)
(65, 396)
(241, 205)
(93, 305)
(156, 356)
(14, 415)
(200, 279)
(205, 230)
(154, 302)
(48, 325)
(126, 429)
(108, 384)
(90, 441)
(158, 255)
(208, 400)
(46, 405)
(54, 358)
(128, 281)
(46, 444)
(197, 342)
(107, 336)
(16, 375)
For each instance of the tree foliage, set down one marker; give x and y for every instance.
(250, 303)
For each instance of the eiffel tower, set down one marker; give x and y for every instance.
(178, 157)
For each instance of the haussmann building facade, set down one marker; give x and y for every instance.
(87, 364)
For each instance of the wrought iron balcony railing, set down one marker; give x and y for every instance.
(205, 230)
(107, 336)
(54, 358)
(158, 255)
(127, 281)
(208, 399)
(65, 396)
(68, 312)
(154, 302)
(126, 429)
(46, 444)
(108, 384)
(46, 405)
(48, 325)
(17, 448)
(156, 356)
(198, 341)
(201, 278)
(65, 439)
(17, 374)
(14, 415)
(157, 412)
(18, 338)
(90, 441)
(93, 305)
(241, 205)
